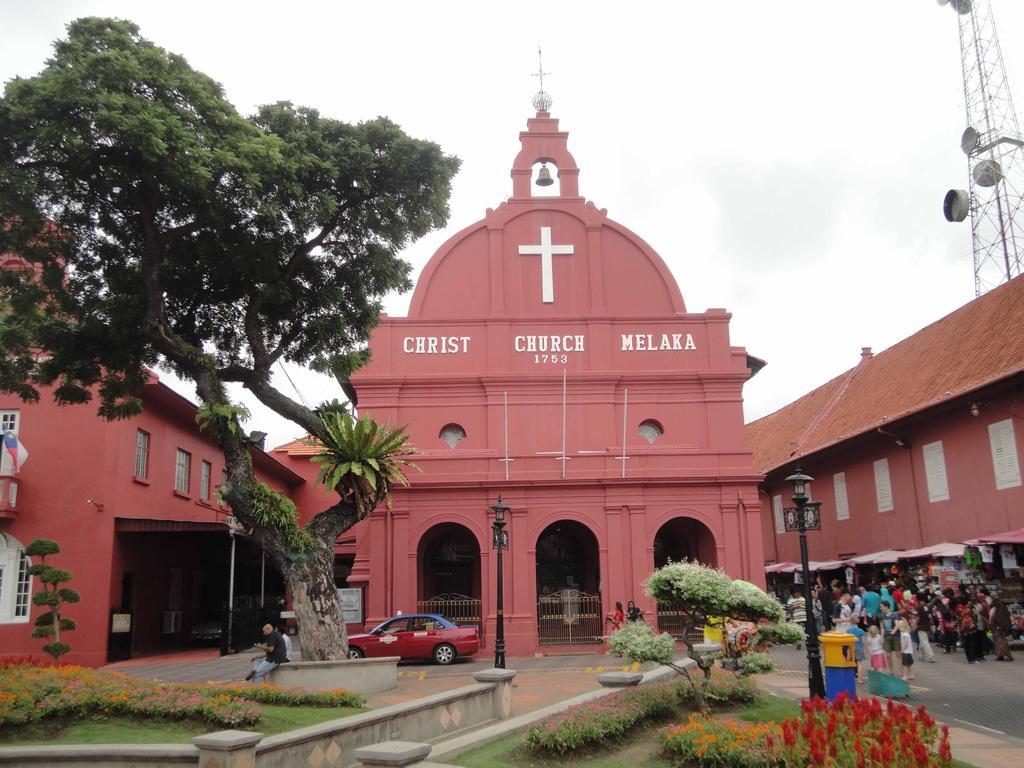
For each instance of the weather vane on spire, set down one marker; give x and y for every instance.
(542, 100)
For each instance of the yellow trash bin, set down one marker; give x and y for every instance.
(713, 629)
(839, 654)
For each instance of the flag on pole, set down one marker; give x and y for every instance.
(16, 449)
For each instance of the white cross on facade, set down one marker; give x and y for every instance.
(546, 250)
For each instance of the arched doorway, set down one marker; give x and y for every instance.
(568, 583)
(682, 538)
(448, 560)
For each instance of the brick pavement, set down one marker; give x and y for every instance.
(981, 703)
(540, 683)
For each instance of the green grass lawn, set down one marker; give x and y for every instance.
(640, 749)
(122, 730)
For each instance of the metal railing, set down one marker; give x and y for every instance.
(569, 617)
(672, 619)
(462, 609)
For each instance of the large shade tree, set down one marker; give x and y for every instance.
(158, 226)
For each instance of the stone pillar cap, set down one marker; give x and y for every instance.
(494, 675)
(619, 679)
(392, 753)
(226, 741)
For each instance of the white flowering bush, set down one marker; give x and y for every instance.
(778, 633)
(703, 594)
(703, 590)
(751, 602)
(754, 664)
(637, 642)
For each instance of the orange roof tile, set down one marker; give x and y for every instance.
(301, 446)
(977, 344)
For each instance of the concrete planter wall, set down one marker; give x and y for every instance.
(359, 675)
(327, 745)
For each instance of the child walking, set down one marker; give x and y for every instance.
(906, 648)
(876, 650)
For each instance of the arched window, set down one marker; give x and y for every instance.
(650, 430)
(452, 434)
(15, 581)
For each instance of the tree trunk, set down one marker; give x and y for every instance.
(317, 609)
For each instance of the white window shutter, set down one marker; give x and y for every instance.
(935, 471)
(883, 486)
(842, 501)
(1004, 454)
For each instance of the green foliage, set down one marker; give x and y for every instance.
(269, 237)
(52, 595)
(602, 720)
(30, 693)
(722, 688)
(754, 664)
(637, 642)
(713, 743)
(222, 419)
(778, 633)
(42, 548)
(702, 591)
(363, 458)
(271, 509)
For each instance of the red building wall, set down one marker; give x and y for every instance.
(975, 506)
(79, 481)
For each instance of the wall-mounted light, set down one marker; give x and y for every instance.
(97, 504)
(975, 410)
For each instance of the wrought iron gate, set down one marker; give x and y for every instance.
(569, 617)
(671, 619)
(461, 609)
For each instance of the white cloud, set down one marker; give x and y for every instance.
(788, 160)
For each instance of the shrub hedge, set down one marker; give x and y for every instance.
(601, 720)
(29, 693)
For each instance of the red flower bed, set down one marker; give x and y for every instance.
(863, 734)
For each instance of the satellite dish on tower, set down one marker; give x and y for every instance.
(963, 7)
(969, 141)
(956, 205)
(941, 2)
(988, 173)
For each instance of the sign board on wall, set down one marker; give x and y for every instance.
(948, 578)
(351, 604)
(120, 623)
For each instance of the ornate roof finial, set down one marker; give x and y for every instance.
(542, 100)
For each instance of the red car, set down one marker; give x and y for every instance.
(417, 636)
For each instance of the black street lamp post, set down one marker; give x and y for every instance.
(500, 543)
(804, 517)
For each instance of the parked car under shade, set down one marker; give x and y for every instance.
(416, 636)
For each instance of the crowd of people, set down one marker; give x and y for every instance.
(894, 625)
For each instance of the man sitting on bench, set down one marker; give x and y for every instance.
(274, 651)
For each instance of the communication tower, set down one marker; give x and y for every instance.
(994, 147)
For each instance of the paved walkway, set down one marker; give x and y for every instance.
(981, 703)
(540, 682)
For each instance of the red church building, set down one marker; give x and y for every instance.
(548, 358)
(913, 447)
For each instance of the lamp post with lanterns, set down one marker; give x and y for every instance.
(500, 543)
(806, 516)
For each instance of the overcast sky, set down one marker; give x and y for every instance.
(787, 160)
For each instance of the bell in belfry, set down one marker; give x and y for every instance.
(544, 177)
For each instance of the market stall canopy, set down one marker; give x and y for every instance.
(877, 558)
(946, 549)
(813, 566)
(1010, 537)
